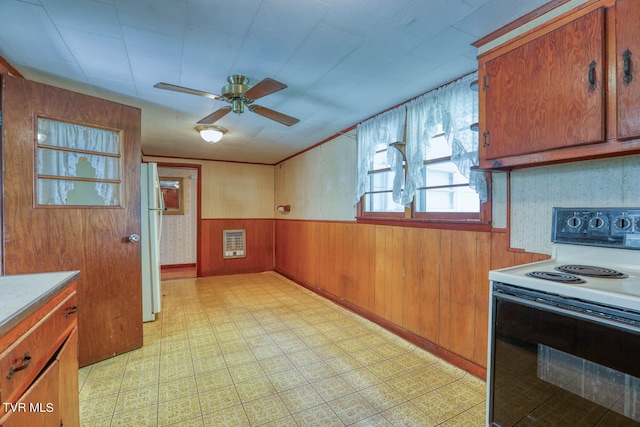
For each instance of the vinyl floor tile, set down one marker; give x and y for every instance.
(259, 350)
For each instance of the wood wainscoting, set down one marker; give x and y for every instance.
(429, 286)
(259, 246)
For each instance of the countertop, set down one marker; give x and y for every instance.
(22, 294)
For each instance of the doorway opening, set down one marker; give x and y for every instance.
(180, 230)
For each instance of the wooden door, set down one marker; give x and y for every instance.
(91, 239)
(540, 96)
(628, 68)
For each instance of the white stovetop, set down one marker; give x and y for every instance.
(624, 293)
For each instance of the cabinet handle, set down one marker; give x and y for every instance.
(485, 137)
(26, 361)
(592, 75)
(71, 311)
(626, 56)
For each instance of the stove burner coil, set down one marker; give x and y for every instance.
(556, 277)
(592, 271)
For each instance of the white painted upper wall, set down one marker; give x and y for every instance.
(319, 184)
(232, 190)
(594, 184)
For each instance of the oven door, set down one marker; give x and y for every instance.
(560, 362)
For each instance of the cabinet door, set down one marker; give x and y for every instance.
(628, 59)
(68, 409)
(37, 407)
(548, 93)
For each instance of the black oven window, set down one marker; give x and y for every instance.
(553, 369)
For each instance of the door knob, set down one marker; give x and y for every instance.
(134, 238)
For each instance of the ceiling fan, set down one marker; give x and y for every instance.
(238, 93)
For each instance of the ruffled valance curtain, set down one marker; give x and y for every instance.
(451, 109)
(64, 163)
(386, 129)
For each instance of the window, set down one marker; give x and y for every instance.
(445, 189)
(434, 176)
(77, 165)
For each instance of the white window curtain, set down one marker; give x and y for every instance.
(450, 109)
(386, 129)
(64, 163)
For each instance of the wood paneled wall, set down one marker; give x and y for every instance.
(431, 286)
(259, 233)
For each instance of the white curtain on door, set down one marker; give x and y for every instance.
(64, 162)
(386, 129)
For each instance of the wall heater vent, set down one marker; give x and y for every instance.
(234, 243)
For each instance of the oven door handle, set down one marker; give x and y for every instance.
(574, 311)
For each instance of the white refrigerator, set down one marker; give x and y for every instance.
(152, 206)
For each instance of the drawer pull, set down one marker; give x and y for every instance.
(627, 66)
(26, 361)
(592, 75)
(70, 312)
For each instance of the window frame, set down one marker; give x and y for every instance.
(479, 221)
(119, 182)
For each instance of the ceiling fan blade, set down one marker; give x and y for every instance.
(264, 88)
(176, 88)
(273, 115)
(215, 116)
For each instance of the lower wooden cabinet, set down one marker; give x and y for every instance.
(39, 367)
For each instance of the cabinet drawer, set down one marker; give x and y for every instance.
(22, 361)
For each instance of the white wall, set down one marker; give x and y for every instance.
(319, 183)
(232, 190)
(593, 183)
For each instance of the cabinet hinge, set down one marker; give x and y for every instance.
(485, 139)
(485, 82)
(0, 117)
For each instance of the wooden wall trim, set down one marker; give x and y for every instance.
(6, 68)
(536, 13)
(417, 340)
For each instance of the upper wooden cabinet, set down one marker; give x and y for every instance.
(563, 91)
(627, 60)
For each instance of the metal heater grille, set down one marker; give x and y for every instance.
(234, 243)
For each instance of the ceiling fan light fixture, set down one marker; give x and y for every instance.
(211, 134)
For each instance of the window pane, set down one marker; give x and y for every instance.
(77, 193)
(380, 158)
(445, 173)
(438, 148)
(381, 202)
(70, 164)
(452, 199)
(77, 137)
(90, 156)
(381, 181)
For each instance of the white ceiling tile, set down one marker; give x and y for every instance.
(294, 17)
(389, 43)
(32, 33)
(97, 55)
(447, 44)
(160, 16)
(363, 17)
(494, 15)
(233, 18)
(88, 16)
(426, 18)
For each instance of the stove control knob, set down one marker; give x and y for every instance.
(596, 223)
(622, 223)
(574, 222)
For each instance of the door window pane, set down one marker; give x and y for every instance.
(77, 165)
